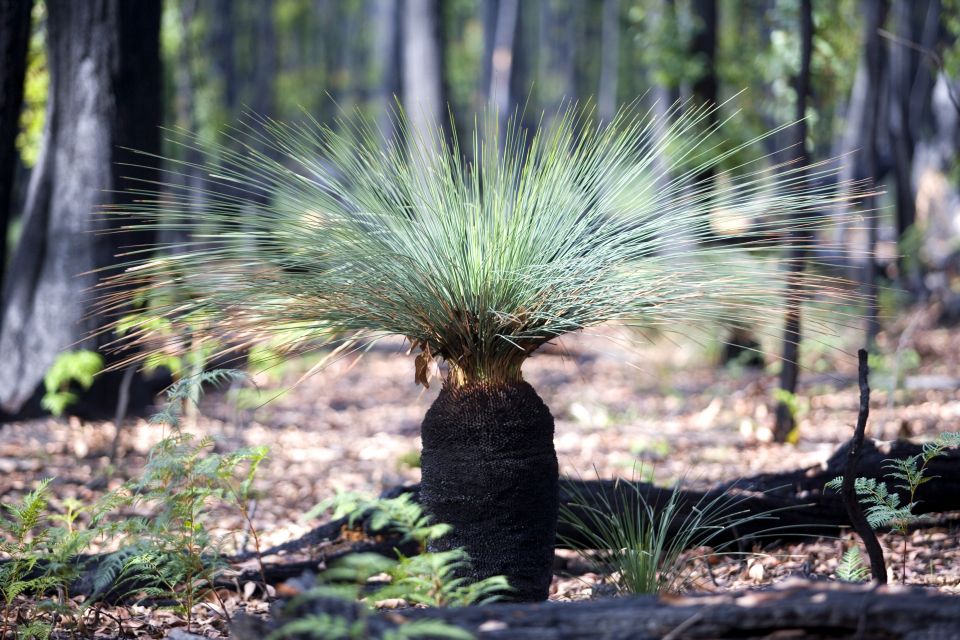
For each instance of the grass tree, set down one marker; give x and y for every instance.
(339, 236)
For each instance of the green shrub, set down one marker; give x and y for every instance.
(72, 367)
(428, 578)
(883, 506)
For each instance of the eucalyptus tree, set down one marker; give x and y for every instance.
(105, 95)
(348, 238)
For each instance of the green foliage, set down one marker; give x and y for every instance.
(428, 578)
(40, 559)
(345, 237)
(71, 367)
(172, 554)
(641, 545)
(169, 554)
(409, 459)
(883, 507)
(35, 89)
(851, 567)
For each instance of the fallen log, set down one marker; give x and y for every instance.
(795, 609)
(797, 499)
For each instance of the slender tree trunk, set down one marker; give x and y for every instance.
(223, 51)
(874, 12)
(903, 65)
(609, 60)
(265, 61)
(801, 240)
(500, 91)
(557, 62)
(104, 97)
(703, 46)
(424, 98)
(14, 42)
(386, 61)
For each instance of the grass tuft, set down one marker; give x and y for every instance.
(306, 234)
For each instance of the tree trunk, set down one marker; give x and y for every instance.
(903, 66)
(609, 60)
(501, 63)
(797, 610)
(490, 471)
(223, 51)
(424, 99)
(558, 55)
(14, 43)
(801, 240)
(104, 96)
(703, 46)
(875, 13)
(386, 62)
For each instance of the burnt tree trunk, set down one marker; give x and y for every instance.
(875, 13)
(14, 42)
(490, 471)
(800, 239)
(609, 60)
(104, 96)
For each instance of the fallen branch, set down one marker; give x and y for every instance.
(803, 507)
(795, 609)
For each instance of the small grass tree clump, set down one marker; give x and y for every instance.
(338, 236)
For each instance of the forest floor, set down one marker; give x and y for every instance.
(666, 411)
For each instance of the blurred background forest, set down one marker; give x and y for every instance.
(876, 82)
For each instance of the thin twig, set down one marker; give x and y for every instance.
(877, 565)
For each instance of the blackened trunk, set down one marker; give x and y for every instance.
(14, 41)
(490, 471)
(875, 13)
(801, 239)
(703, 46)
(104, 97)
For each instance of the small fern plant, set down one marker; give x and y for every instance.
(431, 578)
(427, 578)
(884, 507)
(42, 550)
(852, 567)
(173, 554)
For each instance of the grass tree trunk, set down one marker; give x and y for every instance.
(490, 471)
(104, 96)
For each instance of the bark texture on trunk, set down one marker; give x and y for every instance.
(104, 95)
(490, 471)
(14, 42)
